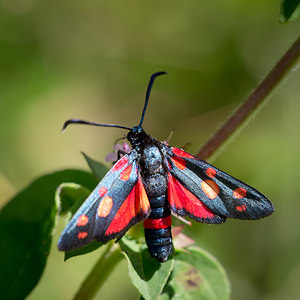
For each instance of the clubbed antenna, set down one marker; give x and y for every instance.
(151, 81)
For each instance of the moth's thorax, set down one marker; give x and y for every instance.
(151, 159)
(152, 170)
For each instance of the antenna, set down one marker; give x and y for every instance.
(151, 81)
(77, 121)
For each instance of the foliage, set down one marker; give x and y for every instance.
(28, 220)
(290, 10)
(26, 227)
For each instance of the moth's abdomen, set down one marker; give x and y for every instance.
(158, 228)
(158, 225)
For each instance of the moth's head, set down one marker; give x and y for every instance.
(136, 135)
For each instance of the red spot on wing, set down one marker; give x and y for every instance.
(105, 207)
(136, 204)
(239, 193)
(211, 172)
(120, 164)
(179, 162)
(181, 153)
(158, 223)
(125, 174)
(82, 235)
(241, 207)
(210, 188)
(181, 198)
(102, 191)
(82, 220)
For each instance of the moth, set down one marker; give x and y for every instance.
(151, 182)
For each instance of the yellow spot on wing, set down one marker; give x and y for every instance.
(105, 207)
(210, 188)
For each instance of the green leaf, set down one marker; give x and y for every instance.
(71, 196)
(147, 274)
(98, 169)
(67, 194)
(290, 10)
(197, 275)
(26, 226)
(94, 245)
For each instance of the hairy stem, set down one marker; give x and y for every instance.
(100, 272)
(257, 97)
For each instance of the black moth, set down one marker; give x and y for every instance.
(151, 182)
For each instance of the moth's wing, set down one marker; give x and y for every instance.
(224, 195)
(118, 202)
(184, 203)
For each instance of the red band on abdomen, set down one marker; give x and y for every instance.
(158, 223)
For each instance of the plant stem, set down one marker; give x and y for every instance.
(257, 97)
(102, 269)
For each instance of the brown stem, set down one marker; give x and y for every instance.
(250, 104)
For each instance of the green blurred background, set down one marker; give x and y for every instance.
(93, 59)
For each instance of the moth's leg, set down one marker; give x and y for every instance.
(121, 153)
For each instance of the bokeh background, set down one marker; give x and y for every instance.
(93, 59)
